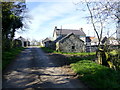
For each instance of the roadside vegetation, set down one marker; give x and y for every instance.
(91, 73)
(9, 56)
(58, 52)
(95, 75)
(13, 14)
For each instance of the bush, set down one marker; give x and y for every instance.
(8, 56)
(109, 58)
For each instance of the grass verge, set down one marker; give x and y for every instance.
(95, 75)
(74, 59)
(57, 52)
(8, 56)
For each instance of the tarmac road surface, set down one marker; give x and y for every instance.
(35, 69)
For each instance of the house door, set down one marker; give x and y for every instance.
(25, 44)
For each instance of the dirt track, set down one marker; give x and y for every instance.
(35, 69)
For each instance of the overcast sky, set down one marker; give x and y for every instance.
(46, 15)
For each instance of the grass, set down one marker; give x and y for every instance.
(74, 59)
(58, 52)
(8, 56)
(48, 49)
(95, 75)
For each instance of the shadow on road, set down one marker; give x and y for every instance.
(36, 69)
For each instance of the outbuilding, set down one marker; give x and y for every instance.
(70, 43)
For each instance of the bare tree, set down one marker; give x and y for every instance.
(101, 13)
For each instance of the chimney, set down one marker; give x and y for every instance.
(55, 27)
(61, 30)
(81, 29)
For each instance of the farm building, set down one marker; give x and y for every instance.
(63, 32)
(24, 41)
(69, 40)
(47, 43)
(66, 40)
(70, 43)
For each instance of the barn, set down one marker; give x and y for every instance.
(70, 43)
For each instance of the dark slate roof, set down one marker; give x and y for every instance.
(67, 31)
(68, 36)
(45, 40)
(59, 38)
(104, 40)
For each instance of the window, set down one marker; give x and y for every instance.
(73, 47)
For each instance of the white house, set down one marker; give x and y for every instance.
(24, 41)
(63, 32)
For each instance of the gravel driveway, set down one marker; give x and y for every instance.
(35, 69)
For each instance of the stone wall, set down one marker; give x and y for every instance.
(93, 48)
(70, 44)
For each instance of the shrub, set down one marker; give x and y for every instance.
(8, 56)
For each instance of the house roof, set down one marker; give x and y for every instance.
(68, 36)
(103, 39)
(112, 38)
(45, 40)
(21, 38)
(95, 40)
(67, 31)
(89, 38)
(59, 38)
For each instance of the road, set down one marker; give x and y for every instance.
(35, 69)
